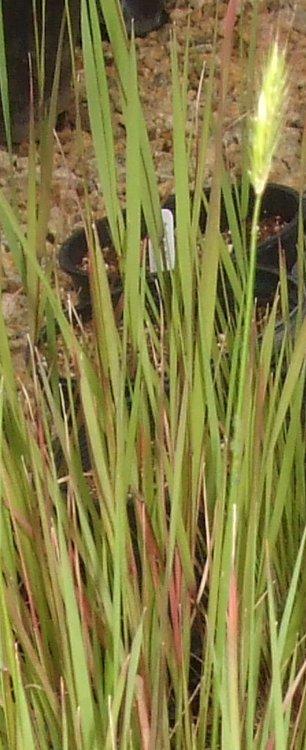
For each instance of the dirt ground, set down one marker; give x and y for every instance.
(276, 17)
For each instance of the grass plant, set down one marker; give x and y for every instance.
(157, 600)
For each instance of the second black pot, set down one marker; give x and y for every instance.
(279, 202)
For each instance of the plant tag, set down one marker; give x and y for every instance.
(169, 244)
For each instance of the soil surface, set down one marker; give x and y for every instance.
(72, 163)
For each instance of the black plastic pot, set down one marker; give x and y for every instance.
(283, 202)
(20, 43)
(266, 286)
(72, 253)
(147, 15)
(278, 200)
(74, 250)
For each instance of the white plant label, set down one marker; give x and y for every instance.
(169, 244)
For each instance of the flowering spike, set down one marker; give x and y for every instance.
(268, 118)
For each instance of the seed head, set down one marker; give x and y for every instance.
(268, 119)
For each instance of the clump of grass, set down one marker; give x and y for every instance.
(156, 600)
